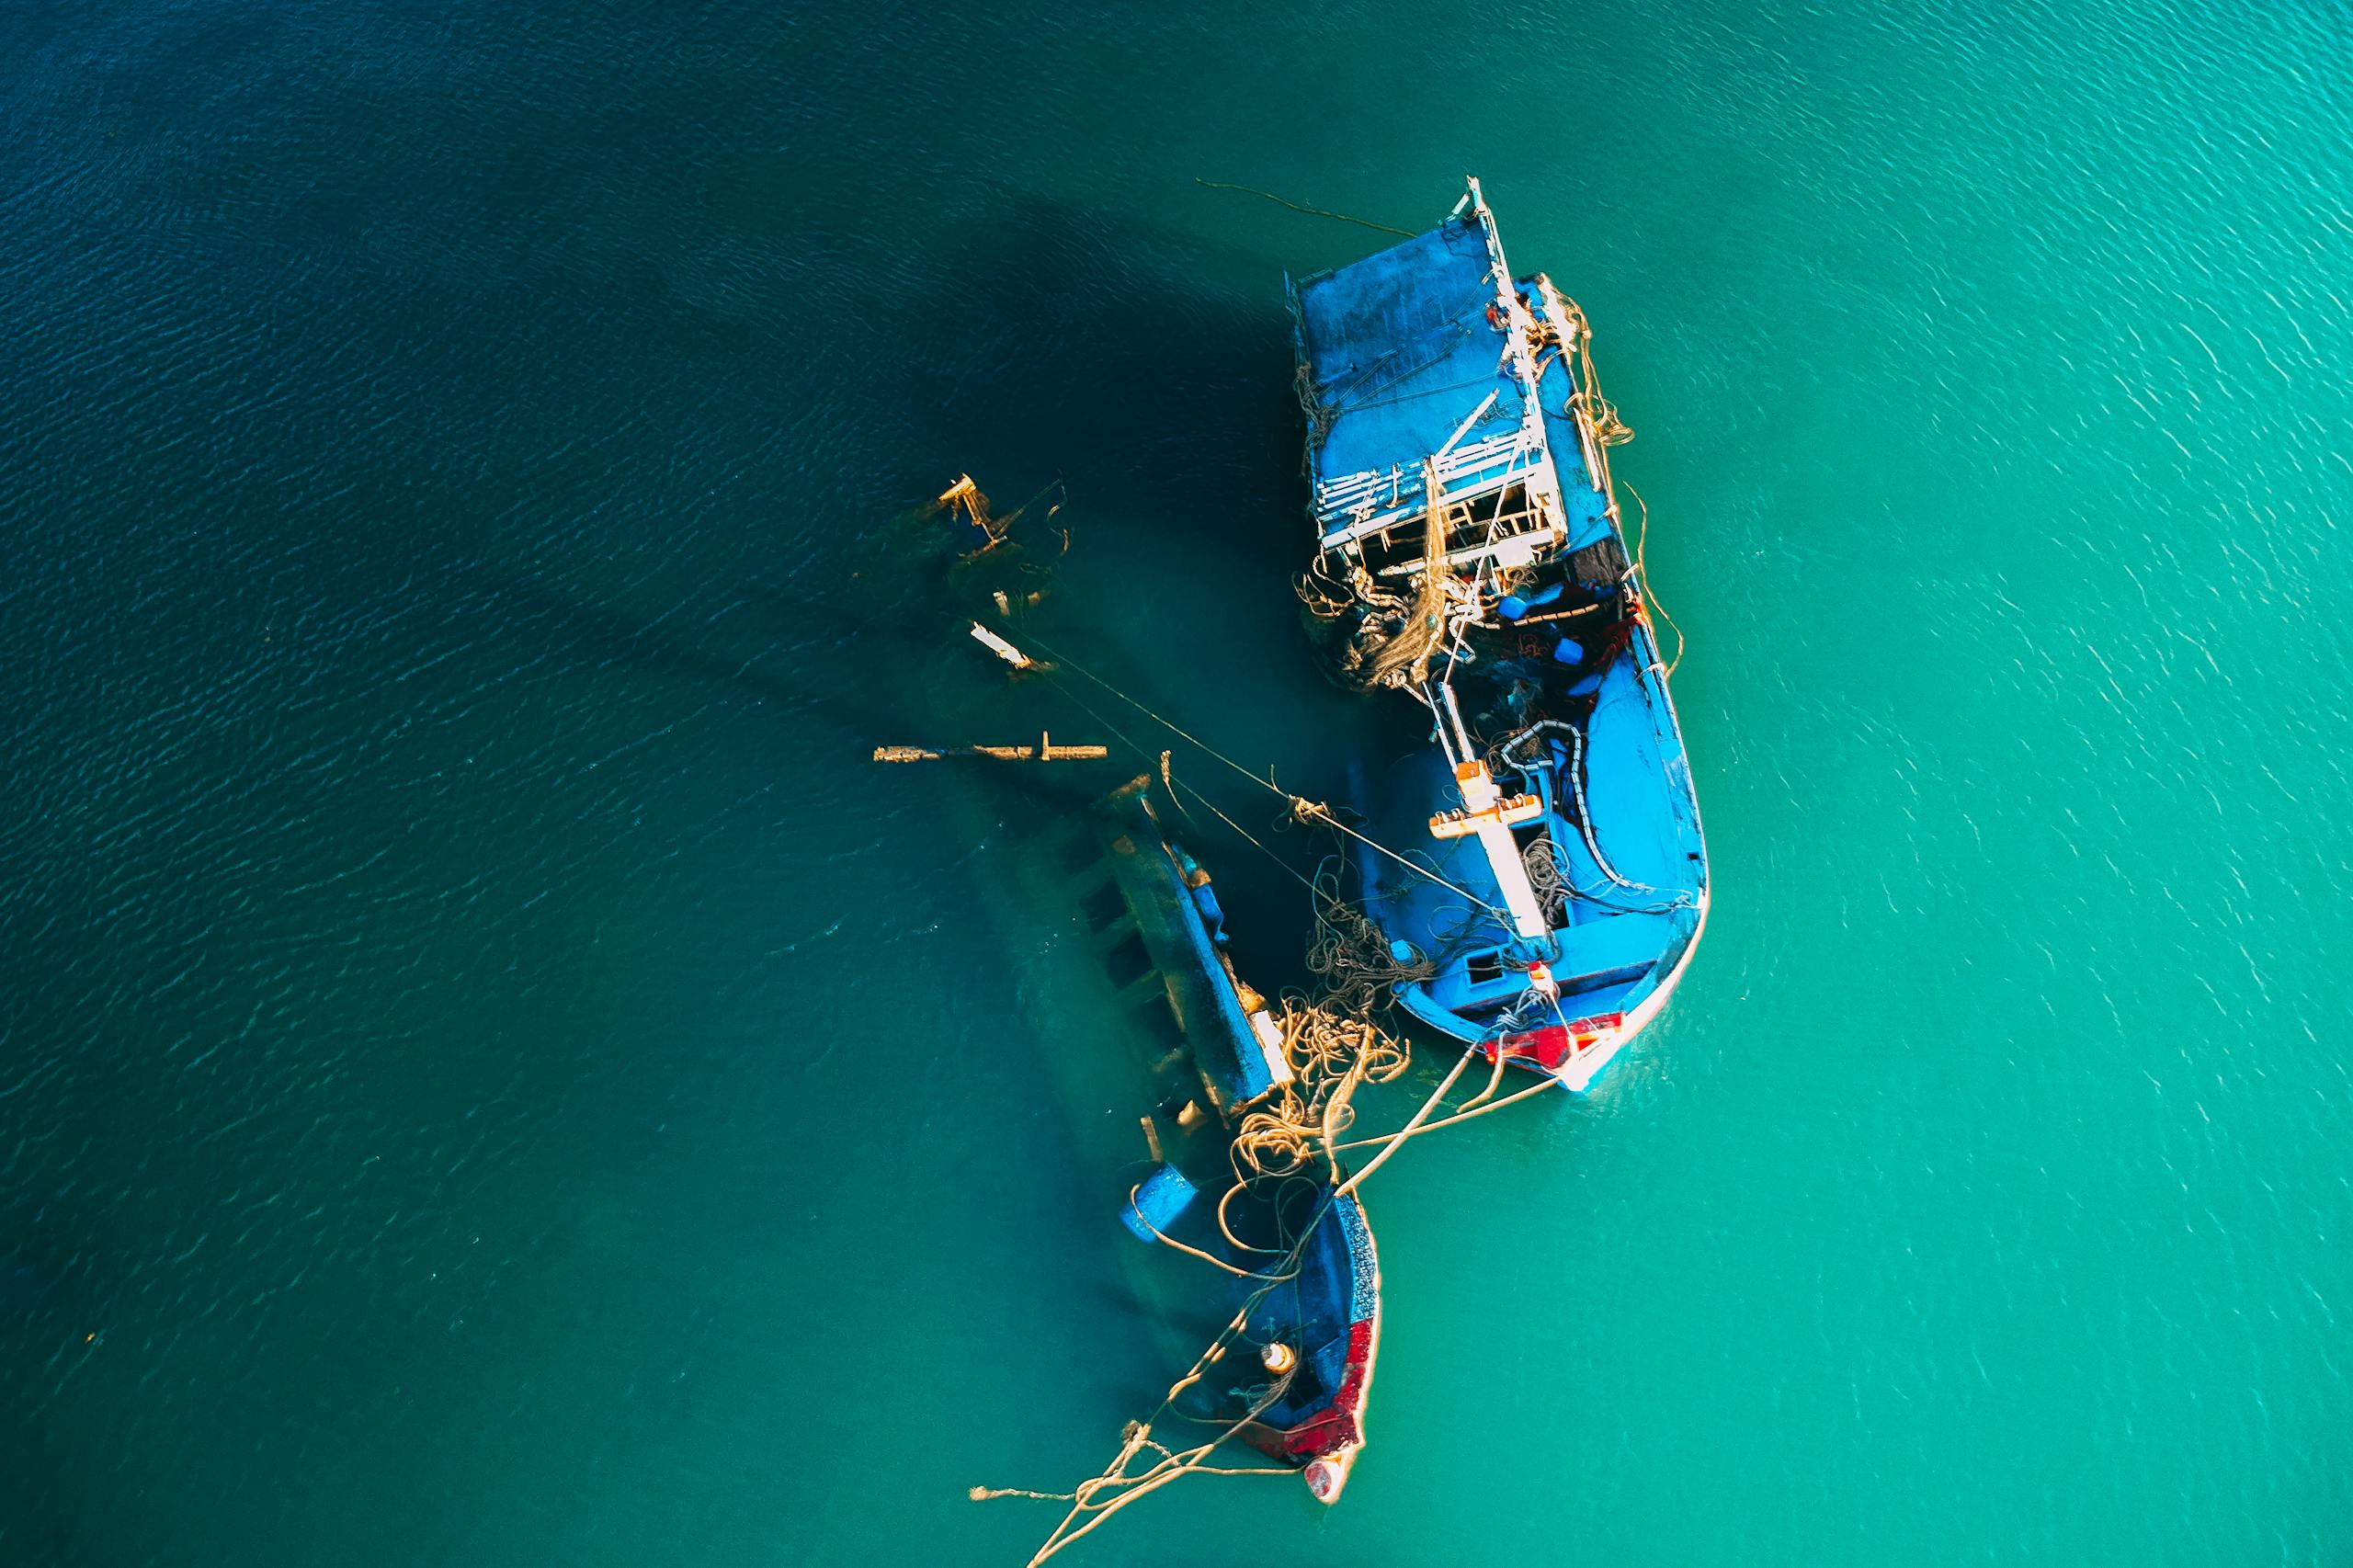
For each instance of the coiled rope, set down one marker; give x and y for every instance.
(1358, 974)
(1330, 1053)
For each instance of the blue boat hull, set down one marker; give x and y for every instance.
(1471, 554)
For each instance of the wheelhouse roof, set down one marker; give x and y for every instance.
(1410, 354)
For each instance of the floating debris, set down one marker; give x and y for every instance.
(1044, 751)
(957, 553)
(987, 550)
(963, 502)
(1002, 649)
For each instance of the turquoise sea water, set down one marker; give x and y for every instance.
(489, 1075)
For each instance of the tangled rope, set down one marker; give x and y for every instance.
(1319, 1049)
(1601, 415)
(1096, 1499)
(1330, 1053)
(1642, 577)
(1327, 600)
(1357, 973)
(1332, 1048)
(1545, 875)
(1321, 415)
(1403, 656)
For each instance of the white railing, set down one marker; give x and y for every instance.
(1360, 505)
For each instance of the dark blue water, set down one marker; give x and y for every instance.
(490, 1075)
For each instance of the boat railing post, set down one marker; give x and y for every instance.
(1454, 717)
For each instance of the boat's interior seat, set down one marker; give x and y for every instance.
(1611, 949)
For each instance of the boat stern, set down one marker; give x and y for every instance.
(1324, 1436)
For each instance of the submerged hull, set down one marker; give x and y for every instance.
(1471, 556)
(1323, 1432)
(1232, 1059)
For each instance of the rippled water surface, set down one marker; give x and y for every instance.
(488, 1074)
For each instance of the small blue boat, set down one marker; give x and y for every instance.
(1305, 1280)
(1470, 553)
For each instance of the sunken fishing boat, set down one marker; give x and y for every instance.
(1237, 1101)
(1236, 1179)
(1470, 553)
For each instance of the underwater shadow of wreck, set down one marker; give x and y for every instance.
(1153, 370)
(619, 637)
(853, 725)
(1089, 347)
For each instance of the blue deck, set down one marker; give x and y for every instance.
(1615, 943)
(1400, 349)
